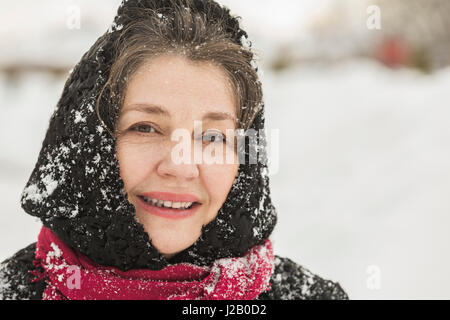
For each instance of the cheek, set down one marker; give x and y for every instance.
(135, 162)
(218, 179)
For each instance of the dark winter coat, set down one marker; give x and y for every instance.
(77, 192)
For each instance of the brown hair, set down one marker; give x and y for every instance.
(194, 35)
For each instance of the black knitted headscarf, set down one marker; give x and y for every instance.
(77, 192)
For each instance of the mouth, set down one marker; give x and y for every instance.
(168, 209)
(175, 205)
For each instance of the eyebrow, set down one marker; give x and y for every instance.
(160, 110)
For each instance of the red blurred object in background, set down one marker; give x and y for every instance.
(394, 52)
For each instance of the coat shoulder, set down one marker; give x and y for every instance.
(15, 278)
(291, 281)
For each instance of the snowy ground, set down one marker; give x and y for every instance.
(364, 178)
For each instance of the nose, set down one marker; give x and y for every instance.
(168, 167)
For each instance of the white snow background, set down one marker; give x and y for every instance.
(363, 185)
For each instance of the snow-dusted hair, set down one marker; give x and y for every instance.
(198, 35)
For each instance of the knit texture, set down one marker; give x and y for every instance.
(72, 276)
(289, 281)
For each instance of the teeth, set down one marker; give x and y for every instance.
(168, 204)
(176, 205)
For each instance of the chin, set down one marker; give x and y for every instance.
(168, 236)
(171, 242)
(170, 249)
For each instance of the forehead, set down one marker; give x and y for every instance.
(181, 86)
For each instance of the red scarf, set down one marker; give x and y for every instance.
(71, 275)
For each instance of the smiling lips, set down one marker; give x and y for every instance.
(169, 205)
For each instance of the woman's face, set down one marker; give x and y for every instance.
(166, 94)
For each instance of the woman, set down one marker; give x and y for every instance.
(128, 211)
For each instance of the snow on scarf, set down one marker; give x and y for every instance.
(76, 189)
(242, 278)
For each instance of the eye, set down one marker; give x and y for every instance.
(143, 128)
(214, 136)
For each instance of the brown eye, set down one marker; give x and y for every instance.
(143, 128)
